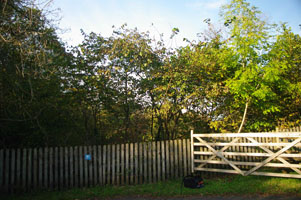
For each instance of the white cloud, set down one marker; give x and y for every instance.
(206, 4)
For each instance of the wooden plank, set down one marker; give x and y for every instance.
(145, 159)
(163, 159)
(136, 167)
(35, 168)
(122, 164)
(154, 153)
(29, 169)
(81, 166)
(176, 157)
(192, 150)
(71, 168)
(113, 165)
(40, 167)
(61, 168)
(104, 164)
(118, 164)
(245, 144)
(94, 166)
(6, 179)
(158, 161)
(254, 173)
(189, 156)
(264, 134)
(51, 164)
(100, 164)
(172, 155)
(180, 149)
(131, 163)
(109, 156)
(12, 169)
(158, 154)
(127, 164)
(167, 161)
(249, 163)
(46, 165)
(76, 166)
(185, 157)
(86, 167)
(149, 161)
(56, 168)
(248, 154)
(18, 169)
(140, 162)
(90, 166)
(24, 168)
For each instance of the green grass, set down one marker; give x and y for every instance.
(233, 185)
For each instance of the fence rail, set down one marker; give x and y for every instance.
(84, 166)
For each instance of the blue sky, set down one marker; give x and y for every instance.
(188, 15)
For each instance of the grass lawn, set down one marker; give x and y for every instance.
(232, 185)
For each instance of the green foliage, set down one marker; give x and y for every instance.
(129, 87)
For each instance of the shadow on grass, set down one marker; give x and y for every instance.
(229, 185)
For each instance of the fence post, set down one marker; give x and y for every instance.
(192, 151)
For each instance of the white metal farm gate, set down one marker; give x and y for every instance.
(267, 154)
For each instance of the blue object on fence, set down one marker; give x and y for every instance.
(87, 157)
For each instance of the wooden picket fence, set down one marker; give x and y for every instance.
(84, 166)
(264, 154)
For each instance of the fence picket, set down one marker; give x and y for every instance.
(118, 164)
(95, 167)
(184, 157)
(131, 155)
(154, 153)
(163, 159)
(122, 164)
(136, 174)
(145, 162)
(66, 172)
(50, 180)
(35, 168)
(56, 167)
(61, 166)
(24, 165)
(176, 158)
(113, 165)
(158, 154)
(172, 154)
(100, 165)
(149, 162)
(76, 166)
(127, 164)
(140, 163)
(90, 166)
(18, 168)
(71, 168)
(81, 166)
(167, 162)
(12, 169)
(46, 167)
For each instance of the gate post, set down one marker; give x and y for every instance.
(192, 151)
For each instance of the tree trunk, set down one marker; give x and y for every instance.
(244, 117)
